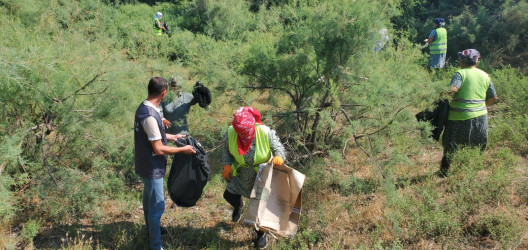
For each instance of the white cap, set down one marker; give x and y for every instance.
(158, 14)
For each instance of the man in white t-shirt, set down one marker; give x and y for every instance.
(151, 150)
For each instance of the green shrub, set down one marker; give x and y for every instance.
(358, 186)
(466, 161)
(68, 195)
(504, 227)
(8, 206)
(432, 218)
(510, 131)
(510, 126)
(522, 189)
(477, 180)
(31, 229)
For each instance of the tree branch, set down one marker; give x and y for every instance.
(45, 162)
(270, 87)
(215, 148)
(95, 93)
(84, 86)
(369, 156)
(385, 126)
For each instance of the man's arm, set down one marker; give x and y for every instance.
(160, 149)
(150, 125)
(175, 137)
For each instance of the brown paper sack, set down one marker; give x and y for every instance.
(275, 201)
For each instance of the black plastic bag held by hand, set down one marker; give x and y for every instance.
(188, 174)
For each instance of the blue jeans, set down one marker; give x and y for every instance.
(153, 208)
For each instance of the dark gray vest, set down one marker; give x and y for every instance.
(148, 165)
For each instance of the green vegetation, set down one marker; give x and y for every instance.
(73, 72)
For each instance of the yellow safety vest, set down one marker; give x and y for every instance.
(470, 100)
(159, 31)
(262, 147)
(439, 46)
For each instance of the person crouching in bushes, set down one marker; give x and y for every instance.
(467, 122)
(248, 145)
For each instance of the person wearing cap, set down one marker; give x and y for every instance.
(176, 107)
(437, 41)
(150, 155)
(248, 146)
(467, 122)
(157, 24)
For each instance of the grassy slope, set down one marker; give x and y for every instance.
(332, 217)
(347, 204)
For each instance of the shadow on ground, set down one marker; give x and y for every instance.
(129, 235)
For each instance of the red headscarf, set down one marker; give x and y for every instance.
(244, 121)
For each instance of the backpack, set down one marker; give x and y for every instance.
(188, 174)
(201, 94)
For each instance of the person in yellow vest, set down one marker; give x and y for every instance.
(467, 122)
(157, 24)
(437, 41)
(248, 146)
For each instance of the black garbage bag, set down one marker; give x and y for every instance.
(436, 117)
(188, 174)
(166, 31)
(166, 26)
(202, 94)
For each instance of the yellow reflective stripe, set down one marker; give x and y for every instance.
(467, 109)
(468, 101)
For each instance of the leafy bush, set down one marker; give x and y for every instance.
(504, 227)
(8, 204)
(71, 78)
(30, 230)
(495, 28)
(322, 61)
(55, 101)
(477, 180)
(68, 195)
(512, 91)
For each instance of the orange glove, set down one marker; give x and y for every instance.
(277, 160)
(166, 123)
(227, 173)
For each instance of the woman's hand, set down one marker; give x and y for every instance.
(277, 160)
(227, 173)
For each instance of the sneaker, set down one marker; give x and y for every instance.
(237, 212)
(261, 242)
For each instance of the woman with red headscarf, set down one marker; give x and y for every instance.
(248, 144)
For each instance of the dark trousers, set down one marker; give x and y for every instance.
(444, 165)
(233, 199)
(472, 132)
